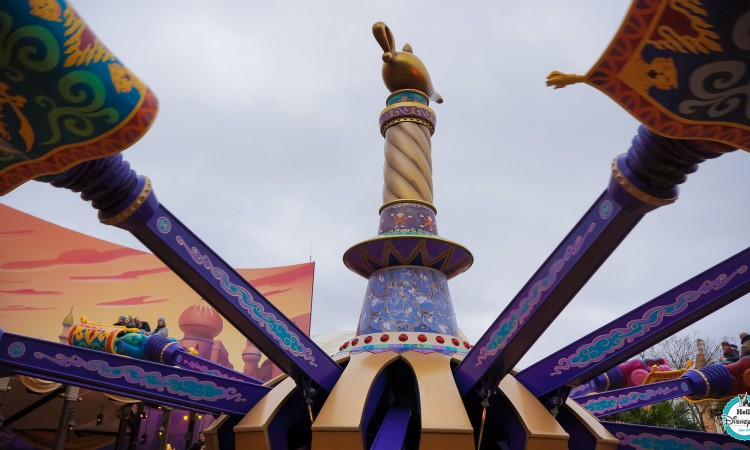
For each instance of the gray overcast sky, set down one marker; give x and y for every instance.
(267, 146)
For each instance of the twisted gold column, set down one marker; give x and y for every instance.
(407, 173)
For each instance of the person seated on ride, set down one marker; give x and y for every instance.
(120, 321)
(141, 325)
(730, 353)
(200, 444)
(161, 328)
(129, 322)
(744, 344)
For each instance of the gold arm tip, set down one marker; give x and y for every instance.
(559, 79)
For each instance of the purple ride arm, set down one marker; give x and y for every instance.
(641, 328)
(161, 349)
(643, 179)
(121, 375)
(620, 400)
(125, 199)
(645, 437)
(393, 430)
(715, 381)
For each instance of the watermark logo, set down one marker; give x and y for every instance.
(736, 417)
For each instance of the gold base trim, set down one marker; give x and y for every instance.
(635, 192)
(133, 207)
(407, 200)
(395, 121)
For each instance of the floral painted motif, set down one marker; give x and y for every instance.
(408, 299)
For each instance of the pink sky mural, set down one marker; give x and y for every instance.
(45, 270)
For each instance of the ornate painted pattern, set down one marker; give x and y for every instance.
(423, 348)
(403, 250)
(64, 98)
(189, 387)
(681, 70)
(412, 112)
(648, 441)
(408, 299)
(404, 96)
(603, 345)
(276, 329)
(607, 405)
(407, 218)
(95, 338)
(208, 369)
(515, 317)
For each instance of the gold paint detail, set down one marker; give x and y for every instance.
(133, 207)
(260, 417)
(656, 375)
(79, 51)
(212, 432)
(124, 80)
(398, 120)
(698, 36)
(163, 350)
(635, 192)
(442, 414)
(543, 432)
(339, 422)
(46, 9)
(607, 378)
(693, 399)
(603, 438)
(707, 398)
(407, 112)
(407, 172)
(402, 70)
(559, 80)
(407, 202)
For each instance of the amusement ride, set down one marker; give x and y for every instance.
(408, 378)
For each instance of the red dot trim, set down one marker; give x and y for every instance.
(355, 341)
(403, 337)
(384, 338)
(422, 338)
(467, 345)
(440, 339)
(455, 341)
(368, 339)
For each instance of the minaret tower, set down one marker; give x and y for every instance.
(407, 337)
(397, 389)
(407, 304)
(67, 323)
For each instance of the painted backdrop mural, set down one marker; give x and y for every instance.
(50, 275)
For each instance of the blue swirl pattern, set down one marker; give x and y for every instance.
(606, 344)
(515, 317)
(278, 330)
(602, 406)
(408, 299)
(669, 442)
(189, 387)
